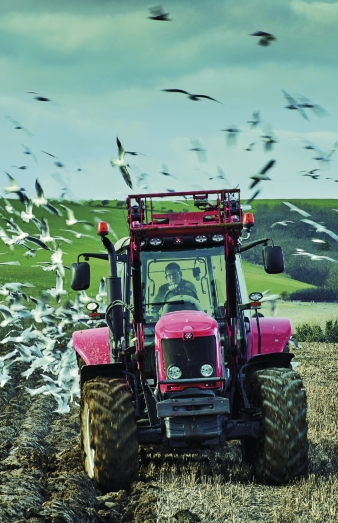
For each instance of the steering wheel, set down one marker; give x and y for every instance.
(190, 303)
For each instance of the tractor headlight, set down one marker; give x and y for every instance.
(217, 238)
(155, 242)
(201, 239)
(206, 370)
(174, 372)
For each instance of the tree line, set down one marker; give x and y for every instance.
(297, 237)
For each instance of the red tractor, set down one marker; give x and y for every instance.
(186, 360)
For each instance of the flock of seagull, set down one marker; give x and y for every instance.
(37, 345)
(37, 348)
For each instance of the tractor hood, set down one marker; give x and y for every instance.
(185, 324)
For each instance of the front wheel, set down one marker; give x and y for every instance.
(281, 453)
(109, 433)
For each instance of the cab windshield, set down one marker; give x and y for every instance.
(192, 279)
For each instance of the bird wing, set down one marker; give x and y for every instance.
(70, 214)
(126, 176)
(289, 98)
(37, 242)
(120, 148)
(253, 183)
(315, 224)
(331, 233)
(38, 188)
(53, 210)
(302, 112)
(206, 96)
(303, 213)
(267, 166)
(175, 91)
(261, 33)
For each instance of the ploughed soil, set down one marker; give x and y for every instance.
(42, 478)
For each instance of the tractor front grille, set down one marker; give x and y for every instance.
(190, 355)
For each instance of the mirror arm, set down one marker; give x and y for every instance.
(264, 241)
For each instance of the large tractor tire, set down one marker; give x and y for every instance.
(109, 433)
(281, 453)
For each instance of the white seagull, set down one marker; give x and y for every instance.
(119, 162)
(71, 220)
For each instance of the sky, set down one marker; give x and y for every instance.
(104, 65)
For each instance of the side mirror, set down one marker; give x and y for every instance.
(80, 276)
(273, 259)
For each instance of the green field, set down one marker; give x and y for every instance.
(94, 211)
(258, 280)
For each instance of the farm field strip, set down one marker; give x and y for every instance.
(42, 479)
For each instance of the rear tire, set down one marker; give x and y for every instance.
(281, 454)
(109, 433)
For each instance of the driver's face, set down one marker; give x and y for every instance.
(173, 276)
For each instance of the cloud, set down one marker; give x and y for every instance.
(324, 13)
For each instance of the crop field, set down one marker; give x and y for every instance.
(41, 474)
(304, 312)
(42, 478)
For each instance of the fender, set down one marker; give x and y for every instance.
(92, 345)
(275, 333)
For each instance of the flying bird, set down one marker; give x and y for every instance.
(166, 172)
(311, 174)
(29, 151)
(40, 200)
(265, 39)
(314, 256)
(232, 135)
(198, 149)
(221, 176)
(49, 154)
(250, 146)
(13, 187)
(39, 97)
(120, 163)
(294, 105)
(262, 174)
(191, 96)
(308, 145)
(18, 126)
(324, 158)
(255, 119)
(268, 138)
(283, 222)
(71, 220)
(317, 240)
(157, 13)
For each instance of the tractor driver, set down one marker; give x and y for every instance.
(176, 285)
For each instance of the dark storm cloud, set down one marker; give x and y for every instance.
(111, 43)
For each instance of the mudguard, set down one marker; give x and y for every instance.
(92, 345)
(275, 333)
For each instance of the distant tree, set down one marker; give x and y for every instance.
(331, 281)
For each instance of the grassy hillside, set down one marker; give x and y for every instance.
(30, 271)
(258, 280)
